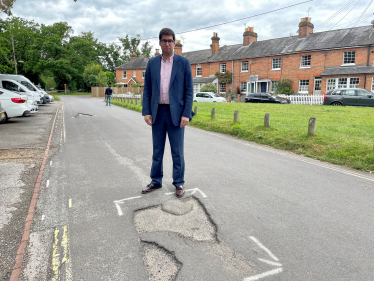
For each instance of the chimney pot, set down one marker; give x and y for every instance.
(305, 27)
(178, 47)
(215, 43)
(249, 36)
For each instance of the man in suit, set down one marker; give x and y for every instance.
(167, 107)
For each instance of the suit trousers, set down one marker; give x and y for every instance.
(163, 125)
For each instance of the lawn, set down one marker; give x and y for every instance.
(344, 135)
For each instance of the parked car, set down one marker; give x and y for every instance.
(349, 96)
(51, 98)
(264, 98)
(208, 97)
(33, 98)
(2, 115)
(14, 105)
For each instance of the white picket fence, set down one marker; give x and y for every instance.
(127, 95)
(304, 99)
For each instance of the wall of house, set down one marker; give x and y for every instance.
(129, 75)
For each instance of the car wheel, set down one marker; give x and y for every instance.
(5, 119)
(336, 103)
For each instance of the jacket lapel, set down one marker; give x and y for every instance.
(174, 69)
(158, 71)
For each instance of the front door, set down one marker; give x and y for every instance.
(317, 86)
(263, 87)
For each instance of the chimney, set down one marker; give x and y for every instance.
(249, 36)
(157, 52)
(215, 43)
(133, 56)
(305, 27)
(178, 47)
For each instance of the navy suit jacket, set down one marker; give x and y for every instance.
(180, 89)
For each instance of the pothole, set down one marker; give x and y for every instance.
(82, 114)
(187, 217)
(160, 263)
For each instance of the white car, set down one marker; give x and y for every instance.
(14, 105)
(14, 86)
(208, 97)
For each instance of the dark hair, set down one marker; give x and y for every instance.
(166, 31)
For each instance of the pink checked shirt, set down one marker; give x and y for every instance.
(166, 67)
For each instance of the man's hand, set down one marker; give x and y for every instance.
(148, 119)
(184, 121)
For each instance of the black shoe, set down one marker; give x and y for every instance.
(151, 187)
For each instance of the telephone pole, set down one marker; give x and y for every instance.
(14, 55)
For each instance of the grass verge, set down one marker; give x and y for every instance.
(344, 135)
(57, 98)
(68, 94)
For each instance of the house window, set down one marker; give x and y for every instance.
(274, 86)
(305, 61)
(372, 84)
(349, 57)
(222, 87)
(198, 70)
(342, 83)
(354, 82)
(244, 66)
(277, 63)
(124, 74)
(303, 85)
(134, 73)
(243, 87)
(143, 74)
(330, 84)
(222, 67)
(125, 85)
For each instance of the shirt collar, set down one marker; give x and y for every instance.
(168, 59)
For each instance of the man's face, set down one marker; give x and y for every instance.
(167, 48)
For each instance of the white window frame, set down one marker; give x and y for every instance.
(273, 87)
(134, 73)
(244, 66)
(222, 87)
(222, 68)
(337, 83)
(243, 87)
(304, 59)
(303, 86)
(143, 74)
(124, 74)
(276, 62)
(346, 60)
(198, 69)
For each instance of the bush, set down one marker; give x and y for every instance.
(284, 87)
(209, 88)
(136, 85)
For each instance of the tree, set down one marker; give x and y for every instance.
(132, 44)
(101, 79)
(284, 87)
(224, 77)
(6, 6)
(91, 73)
(209, 88)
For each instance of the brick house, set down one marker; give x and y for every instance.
(315, 62)
(132, 72)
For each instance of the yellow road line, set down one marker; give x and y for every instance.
(56, 257)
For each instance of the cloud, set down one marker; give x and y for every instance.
(109, 19)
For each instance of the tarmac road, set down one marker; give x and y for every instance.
(251, 212)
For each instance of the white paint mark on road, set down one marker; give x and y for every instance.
(264, 274)
(50, 163)
(118, 202)
(43, 216)
(264, 248)
(270, 262)
(193, 191)
(70, 203)
(47, 183)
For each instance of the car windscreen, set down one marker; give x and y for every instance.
(217, 95)
(28, 85)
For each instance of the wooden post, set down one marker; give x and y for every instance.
(141, 96)
(236, 116)
(229, 98)
(136, 101)
(213, 115)
(267, 120)
(238, 97)
(132, 101)
(195, 110)
(312, 126)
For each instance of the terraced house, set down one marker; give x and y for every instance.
(315, 62)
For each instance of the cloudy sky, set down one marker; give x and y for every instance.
(110, 19)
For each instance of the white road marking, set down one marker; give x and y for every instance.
(47, 183)
(70, 203)
(117, 202)
(43, 216)
(264, 274)
(193, 190)
(264, 248)
(50, 163)
(270, 262)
